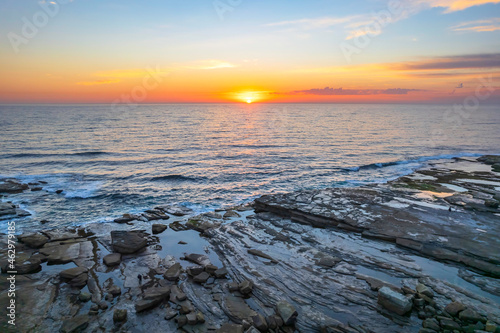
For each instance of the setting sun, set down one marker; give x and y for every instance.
(249, 101)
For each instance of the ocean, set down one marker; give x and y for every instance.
(109, 161)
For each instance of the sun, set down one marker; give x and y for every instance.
(249, 101)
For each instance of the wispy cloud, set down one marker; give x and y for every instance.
(314, 23)
(206, 65)
(350, 92)
(360, 25)
(478, 26)
(454, 5)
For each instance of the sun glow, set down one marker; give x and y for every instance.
(249, 101)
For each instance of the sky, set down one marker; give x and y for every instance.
(222, 51)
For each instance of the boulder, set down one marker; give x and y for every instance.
(112, 259)
(127, 242)
(158, 228)
(170, 314)
(12, 186)
(34, 241)
(194, 270)
(394, 301)
(24, 267)
(287, 312)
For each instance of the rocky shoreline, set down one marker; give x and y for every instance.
(417, 254)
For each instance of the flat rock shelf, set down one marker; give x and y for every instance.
(417, 254)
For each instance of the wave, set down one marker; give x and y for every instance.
(418, 160)
(30, 155)
(175, 178)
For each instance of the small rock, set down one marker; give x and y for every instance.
(471, 316)
(394, 301)
(194, 270)
(210, 269)
(433, 324)
(245, 287)
(328, 261)
(287, 312)
(221, 273)
(34, 241)
(120, 315)
(80, 281)
(146, 304)
(103, 305)
(182, 243)
(59, 191)
(490, 327)
(84, 297)
(259, 322)
(424, 290)
(231, 213)
(112, 259)
(114, 290)
(200, 317)
(191, 319)
(173, 273)
(158, 228)
(454, 308)
(201, 278)
(127, 242)
(181, 321)
(449, 324)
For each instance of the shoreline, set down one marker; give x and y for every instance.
(335, 260)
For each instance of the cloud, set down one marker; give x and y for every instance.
(98, 82)
(352, 92)
(454, 5)
(478, 26)
(452, 62)
(206, 65)
(314, 23)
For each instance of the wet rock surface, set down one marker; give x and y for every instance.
(380, 258)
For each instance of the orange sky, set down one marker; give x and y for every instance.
(432, 51)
